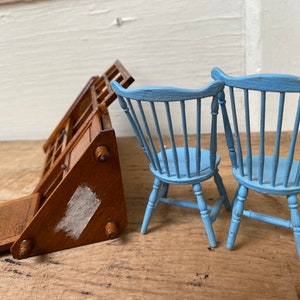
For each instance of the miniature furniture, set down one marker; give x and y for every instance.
(157, 115)
(79, 198)
(272, 99)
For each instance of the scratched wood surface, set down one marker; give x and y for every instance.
(172, 261)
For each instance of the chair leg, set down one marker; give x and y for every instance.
(221, 189)
(237, 212)
(204, 215)
(235, 195)
(295, 219)
(151, 206)
(163, 193)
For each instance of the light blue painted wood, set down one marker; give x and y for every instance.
(262, 137)
(260, 82)
(153, 113)
(274, 173)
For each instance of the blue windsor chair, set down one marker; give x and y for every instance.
(266, 101)
(156, 115)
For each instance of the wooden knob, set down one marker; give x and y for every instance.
(25, 248)
(111, 230)
(102, 153)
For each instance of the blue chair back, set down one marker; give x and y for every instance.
(268, 101)
(266, 109)
(159, 114)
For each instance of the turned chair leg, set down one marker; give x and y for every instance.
(205, 215)
(163, 193)
(151, 206)
(222, 190)
(237, 213)
(295, 219)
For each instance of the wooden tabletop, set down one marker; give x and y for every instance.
(172, 261)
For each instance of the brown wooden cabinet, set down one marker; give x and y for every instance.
(79, 198)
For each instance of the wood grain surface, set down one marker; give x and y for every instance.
(172, 261)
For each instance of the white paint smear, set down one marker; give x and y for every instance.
(80, 209)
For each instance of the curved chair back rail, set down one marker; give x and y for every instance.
(167, 122)
(264, 106)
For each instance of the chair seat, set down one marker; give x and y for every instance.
(266, 185)
(183, 178)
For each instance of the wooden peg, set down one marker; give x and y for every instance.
(102, 153)
(25, 248)
(111, 230)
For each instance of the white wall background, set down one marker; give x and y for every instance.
(49, 50)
